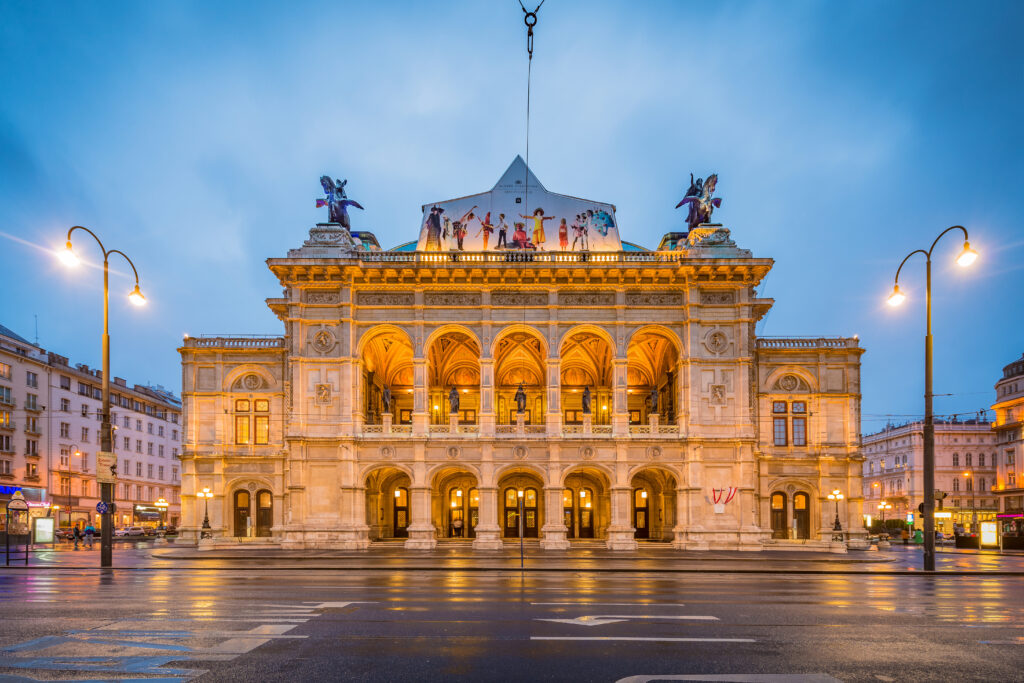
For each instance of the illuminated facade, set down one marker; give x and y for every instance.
(1009, 430)
(340, 432)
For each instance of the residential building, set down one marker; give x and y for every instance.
(965, 471)
(1009, 429)
(455, 387)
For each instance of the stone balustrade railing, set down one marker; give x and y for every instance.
(232, 342)
(807, 343)
(519, 257)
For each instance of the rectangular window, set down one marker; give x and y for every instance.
(967, 459)
(32, 424)
(65, 405)
(5, 371)
(174, 418)
(149, 448)
(31, 469)
(127, 443)
(65, 455)
(780, 431)
(262, 405)
(5, 443)
(174, 474)
(242, 405)
(800, 407)
(138, 469)
(138, 445)
(31, 447)
(174, 452)
(83, 389)
(85, 410)
(31, 379)
(262, 429)
(5, 419)
(160, 450)
(160, 430)
(149, 471)
(85, 433)
(956, 460)
(956, 485)
(241, 429)
(1009, 457)
(65, 382)
(127, 422)
(126, 468)
(799, 431)
(138, 425)
(5, 395)
(160, 473)
(149, 427)
(779, 407)
(1011, 479)
(65, 430)
(981, 459)
(32, 402)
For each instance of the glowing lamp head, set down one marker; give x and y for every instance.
(967, 256)
(897, 297)
(136, 297)
(398, 493)
(519, 493)
(67, 256)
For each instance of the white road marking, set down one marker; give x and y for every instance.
(339, 605)
(601, 619)
(614, 604)
(736, 678)
(653, 639)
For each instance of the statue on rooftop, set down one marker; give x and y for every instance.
(337, 201)
(701, 200)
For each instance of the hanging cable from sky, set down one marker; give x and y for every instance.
(530, 19)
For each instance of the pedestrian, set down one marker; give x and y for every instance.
(905, 535)
(77, 533)
(90, 532)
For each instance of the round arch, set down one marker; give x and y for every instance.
(663, 468)
(661, 330)
(780, 372)
(438, 473)
(604, 475)
(519, 327)
(365, 472)
(370, 333)
(520, 468)
(587, 328)
(449, 328)
(270, 384)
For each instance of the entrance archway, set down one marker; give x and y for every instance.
(387, 503)
(264, 512)
(532, 488)
(585, 503)
(455, 503)
(242, 505)
(653, 504)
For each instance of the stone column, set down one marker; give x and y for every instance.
(420, 409)
(488, 532)
(553, 533)
(620, 531)
(554, 417)
(620, 409)
(373, 504)
(421, 528)
(358, 400)
(487, 402)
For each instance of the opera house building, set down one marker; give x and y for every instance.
(518, 368)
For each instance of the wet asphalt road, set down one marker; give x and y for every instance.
(303, 625)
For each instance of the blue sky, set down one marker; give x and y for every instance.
(192, 136)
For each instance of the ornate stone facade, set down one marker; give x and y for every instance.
(349, 438)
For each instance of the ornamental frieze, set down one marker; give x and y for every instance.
(586, 298)
(713, 298)
(654, 299)
(385, 299)
(322, 296)
(451, 299)
(519, 298)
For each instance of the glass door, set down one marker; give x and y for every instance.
(568, 518)
(802, 514)
(586, 503)
(264, 512)
(511, 516)
(241, 513)
(779, 515)
(474, 512)
(401, 517)
(641, 516)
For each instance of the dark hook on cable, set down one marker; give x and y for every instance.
(530, 20)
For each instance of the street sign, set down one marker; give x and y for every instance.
(106, 467)
(101, 507)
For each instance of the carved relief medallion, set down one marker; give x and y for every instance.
(587, 452)
(322, 340)
(251, 486)
(718, 394)
(717, 342)
(387, 452)
(520, 452)
(252, 382)
(323, 394)
(654, 452)
(791, 383)
(453, 452)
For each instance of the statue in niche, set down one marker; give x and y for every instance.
(385, 398)
(701, 200)
(520, 400)
(652, 400)
(453, 400)
(586, 400)
(337, 201)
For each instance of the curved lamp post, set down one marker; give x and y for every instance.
(966, 258)
(106, 434)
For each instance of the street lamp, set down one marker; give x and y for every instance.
(106, 435)
(883, 506)
(206, 494)
(837, 528)
(966, 258)
(161, 505)
(519, 495)
(974, 510)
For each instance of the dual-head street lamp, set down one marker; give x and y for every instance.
(106, 432)
(967, 257)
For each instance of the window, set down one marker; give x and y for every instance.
(149, 448)
(967, 459)
(31, 447)
(85, 410)
(970, 484)
(1009, 457)
(174, 474)
(31, 469)
(5, 443)
(779, 407)
(65, 455)
(780, 431)
(138, 445)
(65, 405)
(174, 452)
(799, 431)
(65, 430)
(1011, 478)
(127, 422)
(138, 469)
(252, 428)
(160, 430)
(956, 460)
(160, 450)
(5, 466)
(956, 485)
(83, 389)
(174, 418)
(800, 407)
(149, 471)
(99, 416)
(981, 484)
(126, 468)
(85, 433)
(65, 382)
(31, 401)
(149, 427)
(138, 424)
(32, 424)
(85, 462)
(5, 371)
(160, 473)
(65, 486)
(174, 435)
(5, 419)
(981, 459)
(31, 379)
(127, 443)
(5, 395)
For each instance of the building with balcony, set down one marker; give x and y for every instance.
(1009, 430)
(467, 388)
(50, 417)
(965, 472)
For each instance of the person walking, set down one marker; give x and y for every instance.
(90, 532)
(76, 531)
(905, 535)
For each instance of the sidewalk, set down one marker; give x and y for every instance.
(158, 555)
